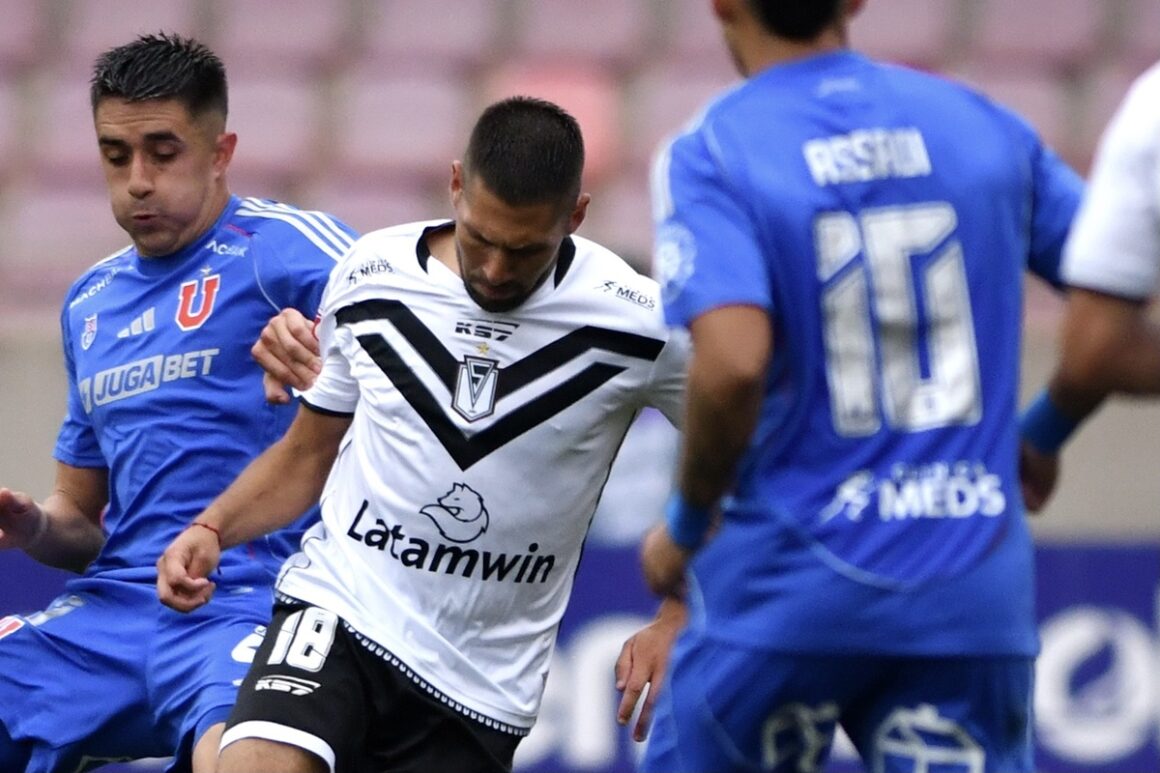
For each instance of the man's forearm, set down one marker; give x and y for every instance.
(281, 484)
(273, 491)
(67, 539)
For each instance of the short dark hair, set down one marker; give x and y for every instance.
(527, 151)
(799, 20)
(162, 66)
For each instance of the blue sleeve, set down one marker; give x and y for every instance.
(707, 252)
(76, 443)
(293, 265)
(1056, 193)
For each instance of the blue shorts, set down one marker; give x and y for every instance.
(730, 708)
(108, 673)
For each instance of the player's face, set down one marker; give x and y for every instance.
(165, 170)
(506, 251)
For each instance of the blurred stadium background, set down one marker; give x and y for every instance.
(358, 107)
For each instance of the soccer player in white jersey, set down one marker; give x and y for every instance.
(479, 375)
(165, 407)
(846, 241)
(1112, 266)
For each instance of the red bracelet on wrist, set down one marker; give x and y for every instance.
(214, 529)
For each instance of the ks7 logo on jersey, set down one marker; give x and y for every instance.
(197, 299)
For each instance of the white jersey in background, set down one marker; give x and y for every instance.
(1114, 245)
(454, 516)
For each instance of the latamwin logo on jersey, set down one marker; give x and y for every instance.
(460, 517)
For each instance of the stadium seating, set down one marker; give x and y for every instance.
(388, 122)
(22, 35)
(400, 31)
(282, 35)
(61, 231)
(613, 33)
(278, 121)
(90, 28)
(359, 105)
(1058, 33)
(928, 38)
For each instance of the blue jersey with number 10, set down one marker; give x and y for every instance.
(884, 218)
(162, 388)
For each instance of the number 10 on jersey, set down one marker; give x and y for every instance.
(899, 335)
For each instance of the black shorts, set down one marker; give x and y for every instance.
(315, 686)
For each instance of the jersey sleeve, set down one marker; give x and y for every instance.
(296, 255)
(707, 253)
(667, 384)
(1115, 244)
(1056, 193)
(335, 390)
(76, 443)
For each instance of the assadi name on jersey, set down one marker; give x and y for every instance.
(144, 375)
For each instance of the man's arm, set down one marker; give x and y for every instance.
(1108, 345)
(643, 661)
(732, 346)
(273, 490)
(64, 531)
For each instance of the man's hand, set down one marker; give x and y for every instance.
(22, 521)
(643, 660)
(184, 567)
(1038, 473)
(663, 562)
(287, 350)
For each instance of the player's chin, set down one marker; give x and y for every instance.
(496, 301)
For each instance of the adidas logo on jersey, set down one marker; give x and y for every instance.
(141, 324)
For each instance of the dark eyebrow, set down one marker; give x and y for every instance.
(533, 247)
(152, 137)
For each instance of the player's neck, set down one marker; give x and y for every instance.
(765, 51)
(441, 244)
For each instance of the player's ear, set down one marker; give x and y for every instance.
(579, 212)
(456, 185)
(224, 147)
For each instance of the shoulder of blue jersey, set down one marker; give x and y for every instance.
(326, 232)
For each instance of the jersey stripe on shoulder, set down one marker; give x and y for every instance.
(318, 227)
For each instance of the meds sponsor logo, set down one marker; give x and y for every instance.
(941, 490)
(369, 268)
(628, 294)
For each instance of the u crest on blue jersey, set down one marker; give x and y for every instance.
(204, 291)
(90, 333)
(475, 388)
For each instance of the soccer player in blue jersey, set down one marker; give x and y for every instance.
(846, 241)
(165, 407)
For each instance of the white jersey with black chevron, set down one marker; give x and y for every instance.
(454, 516)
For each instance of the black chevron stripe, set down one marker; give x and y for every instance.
(467, 450)
(543, 360)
